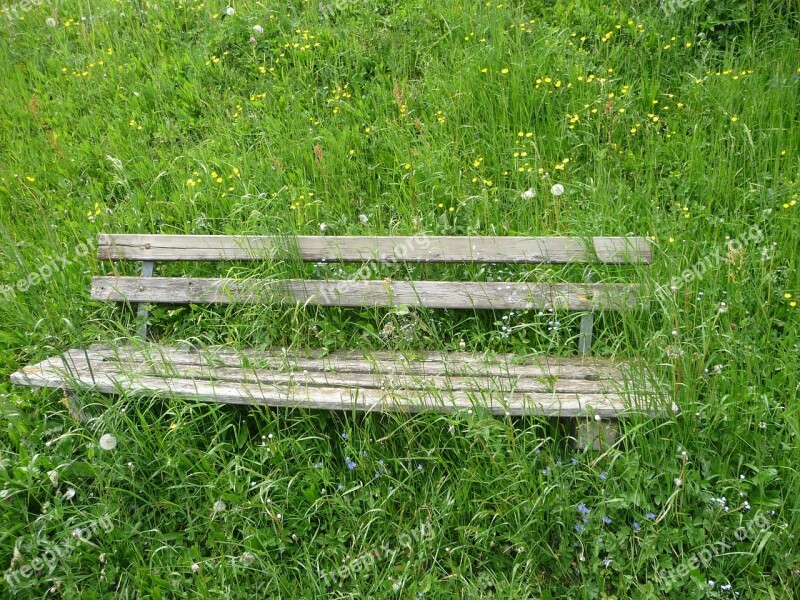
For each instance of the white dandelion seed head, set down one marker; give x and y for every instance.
(598, 418)
(323, 227)
(248, 558)
(678, 482)
(258, 29)
(529, 193)
(195, 568)
(363, 218)
(220, 506)
(557, 189)
(51, 22)
(108, 442)
(230, 11)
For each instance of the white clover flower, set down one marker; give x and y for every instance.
(195, 568)
(323, 227)
(69, 494)
(678, 482)
(53, 475)
(557, 189)
(51, 22)
(230, 11)
(220, 506)
(363, 218)
(108, 442)
(258, 29)
(528, 194)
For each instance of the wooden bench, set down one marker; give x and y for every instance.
(592, 390)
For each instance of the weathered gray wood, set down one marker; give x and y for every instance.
(462, 364)
(420, 248)
(431, 294)
(319, 378)
(80, 369)
(360, 399)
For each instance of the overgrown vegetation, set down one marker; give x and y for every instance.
(403, 117)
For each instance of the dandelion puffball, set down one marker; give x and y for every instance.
(51, 22)
(529, 193)
(557, 189)
(230, 11)
(220, 506)
(258, 29)
(108, 442)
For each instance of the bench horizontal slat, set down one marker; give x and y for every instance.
(421, 248)
(462, 364)
(80, 369)
(348, 293)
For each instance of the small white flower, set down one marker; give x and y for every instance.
(195, 568)
(69, 494)
(108, 442)
(53, 475)
(678, 482)
(529, 193)
(220, 506)
(598, 418)
(258, 29)
(51, 22)
(323, 227)
(279, 516)
(230, 11)
(363, 218)
(557, 189)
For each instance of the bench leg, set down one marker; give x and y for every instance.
(589, 433)
(75, 405)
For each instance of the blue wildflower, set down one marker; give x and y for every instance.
(607, 520)
(650, 516)
(340, 487)
(574, 461)
(547, 471)
(636, 526)
(344, 436)
(318, 465)
(582, 508)
(726, 587)
(350, 464)
(419, 467)
(579, 527)
(602, 474)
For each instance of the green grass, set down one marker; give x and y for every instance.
(426, 117)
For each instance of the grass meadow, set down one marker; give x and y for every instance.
(444, 117)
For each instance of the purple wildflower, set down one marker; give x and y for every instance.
(582, 509)
(579, 527)
(636, 526)
(650, 516)
(603, 475)
(607, 520)
(350, 464)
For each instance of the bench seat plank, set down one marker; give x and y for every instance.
(192, 376)
(419, 248)
(351, 293)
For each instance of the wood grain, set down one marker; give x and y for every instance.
(82, 369)
(350, 293)
(420, 248)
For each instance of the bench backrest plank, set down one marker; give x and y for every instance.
(421, 248)
(430, 294)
